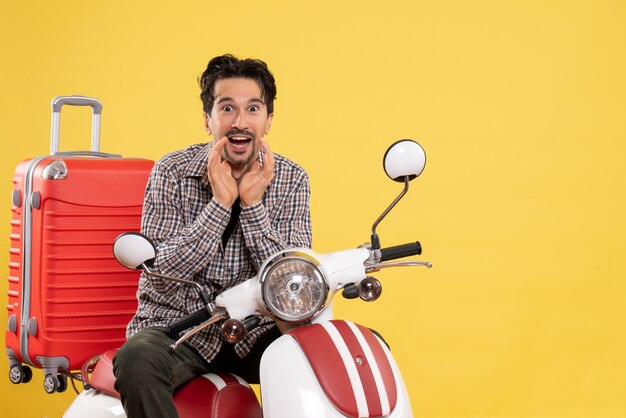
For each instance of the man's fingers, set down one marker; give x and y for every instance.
(226, 167)
(216, 149)
(214, 163)
(268, 159)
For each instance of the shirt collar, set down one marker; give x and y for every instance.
(197, 165)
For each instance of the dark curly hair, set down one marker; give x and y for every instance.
(229, 66)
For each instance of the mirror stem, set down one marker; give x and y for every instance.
(375, 239)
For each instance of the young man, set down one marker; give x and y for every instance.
(215, 211)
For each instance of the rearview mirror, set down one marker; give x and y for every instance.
(132, 250)
(405, 158)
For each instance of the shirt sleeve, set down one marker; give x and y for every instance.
(182, 249)
(288, 226)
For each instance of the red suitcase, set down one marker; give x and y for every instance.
(68, 298)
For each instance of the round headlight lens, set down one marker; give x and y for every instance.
(294, 289)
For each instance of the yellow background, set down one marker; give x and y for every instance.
(520, 106)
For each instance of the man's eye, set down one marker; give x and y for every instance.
(227, 108)
(253, 108)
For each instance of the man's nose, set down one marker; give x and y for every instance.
(240, 121)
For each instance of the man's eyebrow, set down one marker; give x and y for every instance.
(224, 99)
(230, 99)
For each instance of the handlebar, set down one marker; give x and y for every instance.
(207, 313)
(400, 251)
(189, 321)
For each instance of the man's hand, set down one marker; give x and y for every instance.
(252, 184)
(220, 176)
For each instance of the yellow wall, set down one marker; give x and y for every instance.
(520, 106)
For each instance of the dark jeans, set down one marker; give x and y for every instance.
(147, 370)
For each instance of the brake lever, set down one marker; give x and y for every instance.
(216, 316)
(379, 266)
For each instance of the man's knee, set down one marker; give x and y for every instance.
(140, 356)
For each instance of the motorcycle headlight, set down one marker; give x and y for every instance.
(294, 288)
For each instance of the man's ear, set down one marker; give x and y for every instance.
(207, 122)
(268, 124)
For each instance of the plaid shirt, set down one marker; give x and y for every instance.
(186, 224)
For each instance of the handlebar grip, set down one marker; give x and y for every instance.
(189, 321)
(59, 101)
(400, 251)
(251, 322)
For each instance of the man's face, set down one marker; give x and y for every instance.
(239, 113)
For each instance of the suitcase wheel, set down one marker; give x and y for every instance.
(56, 383)
(20, 374)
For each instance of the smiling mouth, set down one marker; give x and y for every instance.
(239, 141)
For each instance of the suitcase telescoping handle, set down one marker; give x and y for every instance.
(96, 105)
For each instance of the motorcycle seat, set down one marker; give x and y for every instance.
(102, 377)
(223, 395)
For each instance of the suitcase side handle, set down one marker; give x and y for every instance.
(57, 104)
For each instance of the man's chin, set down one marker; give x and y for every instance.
(239, 160)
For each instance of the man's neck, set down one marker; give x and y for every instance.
(238, 172)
